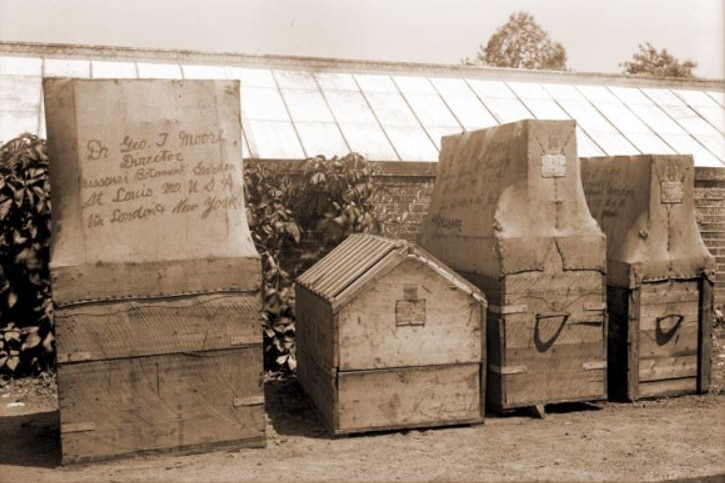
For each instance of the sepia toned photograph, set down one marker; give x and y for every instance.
(362, 241)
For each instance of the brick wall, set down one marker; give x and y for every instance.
(406, 189)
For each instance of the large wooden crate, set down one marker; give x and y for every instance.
(509, 214)
(660, 275)
(388, 338)
(156, 282)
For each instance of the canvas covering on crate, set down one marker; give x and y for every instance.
(508, 212)
(659, 276)
(155, 277)
(388, 337)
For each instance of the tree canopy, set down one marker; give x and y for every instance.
(521, 43)
(648, 61)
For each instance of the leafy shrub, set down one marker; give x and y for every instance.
(26, 323)
(307, 216)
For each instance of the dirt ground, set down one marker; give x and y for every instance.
(672, 439)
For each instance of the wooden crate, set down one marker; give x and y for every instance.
(660, 339)
(508, 213)
(183, 374)
(389, 338)
(659, 281)
(156, 281)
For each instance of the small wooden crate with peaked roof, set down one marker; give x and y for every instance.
(388, 337)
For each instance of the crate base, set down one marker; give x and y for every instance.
(187, 402)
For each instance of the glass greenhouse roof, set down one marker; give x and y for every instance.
(297, 112)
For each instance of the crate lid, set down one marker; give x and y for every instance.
(645, 205)
(359, 259)
(509, 199)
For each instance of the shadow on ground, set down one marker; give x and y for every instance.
(30, 440)
(290, 410)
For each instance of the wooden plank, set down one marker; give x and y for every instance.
(400, 398)
(668, 387)
(175, 402)
(704, 356)
(667, 368)
(158, 326)
(370, 337)
(552, 281)
(683, 342)
(314, 330)
(571, 372)
(319, 384)
(633, 373)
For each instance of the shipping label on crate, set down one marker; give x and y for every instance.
(145, 171)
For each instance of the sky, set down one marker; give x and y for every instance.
(598, 35)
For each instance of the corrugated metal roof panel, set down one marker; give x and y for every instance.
(360, 257)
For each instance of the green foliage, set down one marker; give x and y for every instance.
(26, 324)
(522, 44)
(650, 62)
(310, 216)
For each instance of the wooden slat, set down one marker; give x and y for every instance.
(668, 387)
(319, 384)
(314, 330)
(176, 402)
(667, 368)
(550, 282)
(160, 326)
(705, 343)
(424, 396)
(561, 375)
(683, 342)
(370, 337)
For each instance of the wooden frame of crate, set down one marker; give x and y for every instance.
(508, 213)
(389, 338)
(660, 274)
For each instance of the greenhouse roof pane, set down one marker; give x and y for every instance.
(369, 140)
(686, 144)
(656, 119)
(414, 85)
(67, 68)
(321, 138)
(529, 90)
(563, 92)
(391, 109)
(412, 143)
(451, 87)
(719, 97)
(491, 89)
(375, 83)
(295, 79)
(437, 132)
(613, 143)
(650, 143)
(586, 116)
(714, 115)
(251, 77)
(585, 146)
(695, 98)
(469, 111)
(20, 93)
(307, 105)
(203, 72)
(14, 123)
(336, 81)
(621, 117)
(25, 66)
(430, 110)
(349, 106)
(158, 71)
(597, 93)
(274, 140)
(263, 103)
(507, 110)
(545, 109)
(663, 97)
(113, 70)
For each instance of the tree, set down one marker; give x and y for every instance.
(521, 43)
(647, 61)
